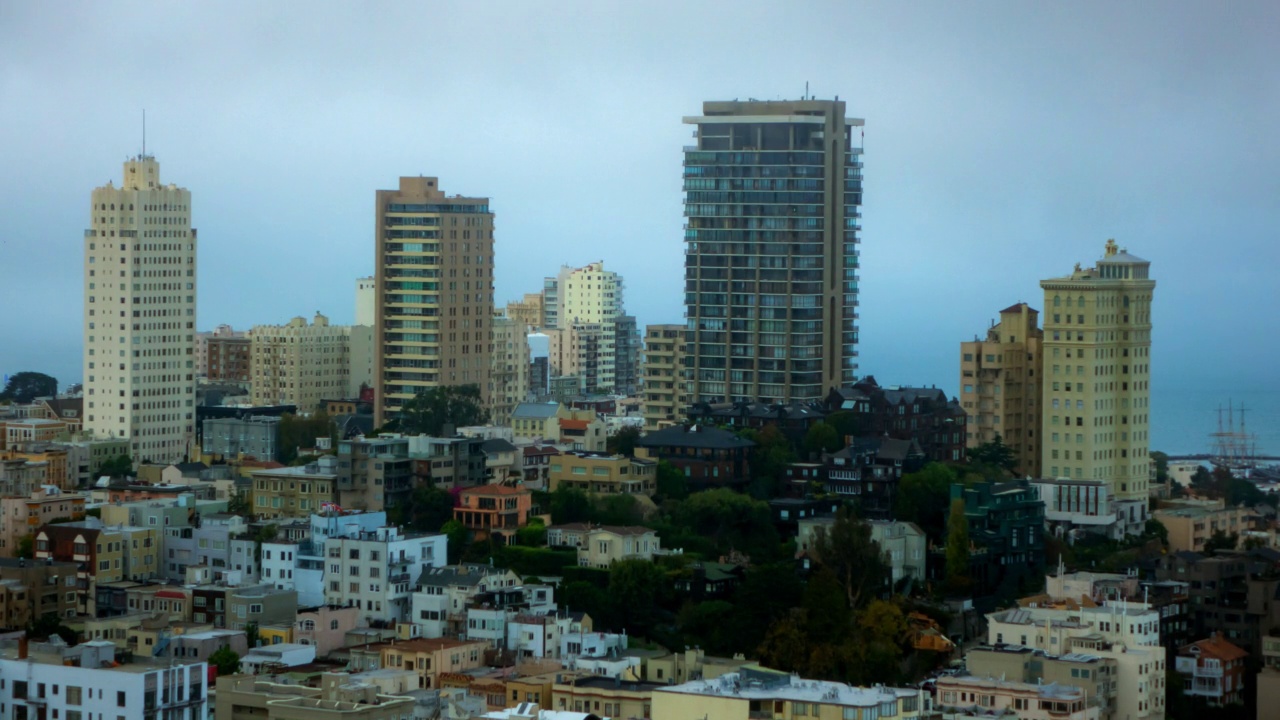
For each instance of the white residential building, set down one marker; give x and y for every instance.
(139, 315)
(444, 593)
(1126, 632)
(47, 680)
(378, 570)
(299, 564)
(366, 300)
(903, 545)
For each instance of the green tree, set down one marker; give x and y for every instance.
(1161, 461)
(994, 453)
(458, 536)
(26, 386)
(226, 660)
(958, 547)
(267, 533)
(238, 504)
(534, 534)
(50, 624)
(27, 546)
(847, 551)
(849, 424)
(570, 505)
(1220, 540)
(766, 595)
(821, 438)
(722, 520)
(703, 624)
(671, 483)
(426, 509)
(252, 636)
(430, 410)
(826, 609)
(116, 467)
(302, 432)
(923, 498)
(768, 460)
(586, 597)
(624, 441)
(635, 589)
(882, 631)
(616, 510)
(786, 646)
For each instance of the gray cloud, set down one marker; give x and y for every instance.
(1005, 142)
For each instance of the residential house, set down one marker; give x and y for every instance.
(706, 455)
(295, 492)
(1213, 669)
(378, 570)
(443, 594)
(1006, 530)
(603, 474)
(602, 546)
(972, 697)
(536, 467)
(20, 516)
(29, 590)
(428, 657)
(869, 471)
(494, 510)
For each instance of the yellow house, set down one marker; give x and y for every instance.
(755, 692)
(607, 697)
(276, 634)
(429, 657)
(603, 474)
(294, 491)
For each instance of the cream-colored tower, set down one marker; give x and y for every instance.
(1000, 388)
(586, 302)
(509, 374)
(140, 314)
(300, 364)
(1097, 354)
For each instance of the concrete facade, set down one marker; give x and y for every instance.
(1001, 389)
(300, 364)
(433, 256)
(664, 388)
(139, 314)
(1097, 354)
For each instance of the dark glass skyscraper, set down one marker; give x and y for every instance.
(772, 192)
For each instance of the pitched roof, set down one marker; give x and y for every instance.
(566, 424)
(623, 529)
(536, 411)
(1215, 646)
(1017, 307)
(497, 445)
(696, 436)
(540, 450)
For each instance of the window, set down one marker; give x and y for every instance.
(120, 698)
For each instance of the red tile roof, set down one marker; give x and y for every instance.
(1215, 647)
(573, 424)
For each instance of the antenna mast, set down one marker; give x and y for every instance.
(144, 133)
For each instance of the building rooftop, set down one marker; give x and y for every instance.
(756, 683)
(694, 436)
(535, 411)
(1214, 646)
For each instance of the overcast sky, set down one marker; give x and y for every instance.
(1004, 143)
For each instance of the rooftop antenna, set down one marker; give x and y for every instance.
(144, 132)
(806, 89)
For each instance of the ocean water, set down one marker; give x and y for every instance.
(1183, 417)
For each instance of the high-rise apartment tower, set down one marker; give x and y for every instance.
(1000, 386)
(140, 313)
(1097, 354)
(772, 197)
(434, 260)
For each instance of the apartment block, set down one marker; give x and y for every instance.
(528, 311)
(300, 364)
(139, 314)
(444, 593)
(1127, 633)
(1001, 388)
(104, 554)
(1097, 676)
(373, 474)
(509, 374)
(494, 510)
(1191, 527)
(294, 492)
(50, 680)
(29, 590)
(1096, 385)
(429, 658)
(756, 692)
(339, 696)
(378, 571)
(664, 393)
(772, 198)
(21, 516)
(434, 263)
(1213, 669)
(603, 474)
(229, 359)
(972, 697)
(256, 436)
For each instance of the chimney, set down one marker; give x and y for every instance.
(22, 647)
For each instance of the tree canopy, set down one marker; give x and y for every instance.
(821, 438)
(958, 547)
(28, 385)
(226, 660)
(768, 459)
(297, 431)
(431, 409)
(923, 498)
(116, 467)
(426, 509)
(854, 560)
(624, 441)
(993, 453)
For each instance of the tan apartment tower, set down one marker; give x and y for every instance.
(1097, 354)
(663, 393)
(140, 313)
(772, 198)
(1000, 387)
(434, 285)
(509, 374)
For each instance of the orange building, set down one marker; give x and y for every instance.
(1213, 669)
(494, 510)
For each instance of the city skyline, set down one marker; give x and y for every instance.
(994, 135)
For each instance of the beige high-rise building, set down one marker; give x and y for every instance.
(527, 311)
(1000, 387)
(585, 304)
(300, 364)
(1097, 354)
(509, 374)
(434, 260)
(139, 314)
(664, 393)
(366, 295)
